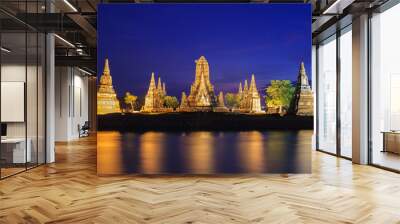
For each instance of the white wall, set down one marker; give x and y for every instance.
(12, 73)
(71, 102)
(33, 126)
(16, 73)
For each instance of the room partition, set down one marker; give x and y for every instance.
(22, 87)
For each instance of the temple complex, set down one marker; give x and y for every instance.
(249, 98)
(154, 100)
(201, 97)
(303, 101)
(221, 104)
(107, 101)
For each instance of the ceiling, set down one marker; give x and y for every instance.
(75, 21)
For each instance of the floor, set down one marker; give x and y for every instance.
(387, 159)
(69, 191)
(10, 171)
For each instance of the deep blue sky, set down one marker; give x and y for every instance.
(269, 40)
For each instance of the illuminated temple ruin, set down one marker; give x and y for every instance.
(221, 104)
(154, 100)
(202, 97)
(107, 101)
(184, 106)
(303, 102)
(249, 98)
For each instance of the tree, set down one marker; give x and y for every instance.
(279, 94)
(231, 100)
(140, 102)
(130, 100)
(171, 102)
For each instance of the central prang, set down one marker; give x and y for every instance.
(202, 96)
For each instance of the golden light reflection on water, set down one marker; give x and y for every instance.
(251, 151)
(203, 152)
(152, 150)
(304, 138)
(200, 152)
(109, 156)
(276, 144)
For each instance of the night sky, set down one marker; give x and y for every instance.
(269, 40)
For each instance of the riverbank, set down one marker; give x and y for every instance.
(201, 121)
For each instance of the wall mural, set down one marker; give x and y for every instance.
(204, 88)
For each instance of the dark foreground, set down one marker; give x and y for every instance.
(201, 121)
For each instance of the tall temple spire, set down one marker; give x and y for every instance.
(152, 85)
(106, 78)
(245, 86)
(107, 101)
(250, 100)
(253, 83)
(302, 79)
(159, 84)
(202, 68)
(164, 90)
(240, 88)
(303, 100)
(302, 67)
(202, 95)
(154, 101)
(106, 70)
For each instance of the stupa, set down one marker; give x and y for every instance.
(107, 101)
(303, 101)
(154, 100)
(250, 101)
(244, 100)
(254, 97)
(201, 97)
(240, 92)
(221, 104)
(164, 89)
(184, 106)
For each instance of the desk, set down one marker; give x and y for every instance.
(391, 141)
(16, 147)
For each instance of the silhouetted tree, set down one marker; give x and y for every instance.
(139, 102)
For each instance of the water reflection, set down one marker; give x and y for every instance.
(204, 152)
(200, 152)
(151, 148)
(109, 153)
(251, 151)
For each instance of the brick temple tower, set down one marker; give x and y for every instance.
(303, 101)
